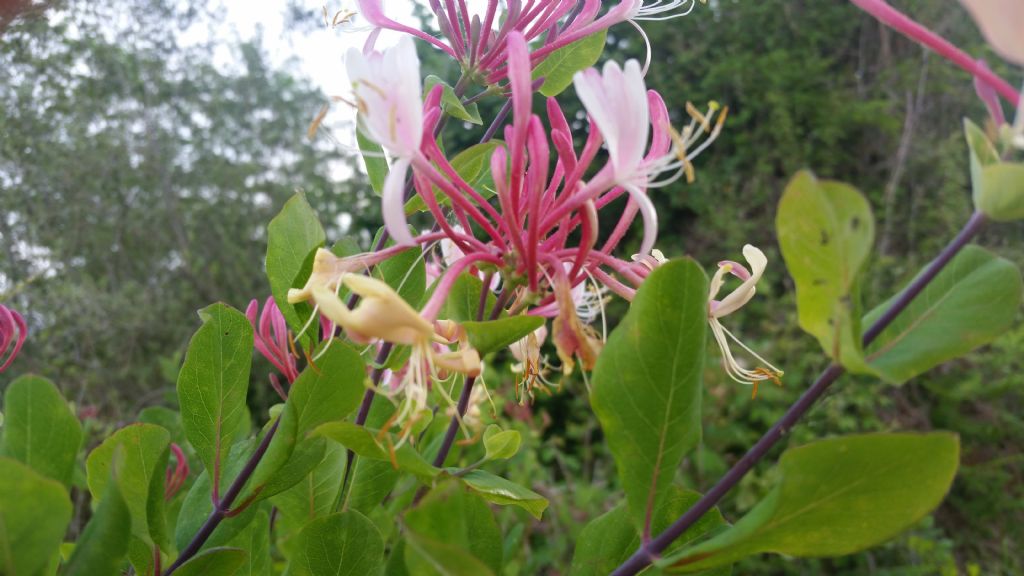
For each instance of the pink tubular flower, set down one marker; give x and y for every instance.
(478, 40)
(175, 478)
(617, 102)
(272, 338)
(387, 88)
(13, 332)
(541, 230)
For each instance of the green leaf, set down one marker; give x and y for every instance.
(372, 480)
(365, 443)
(501, 444)
(836, 497)
(405, 272)
(40, 430)
(982, 152)
(464, 299)
(314, 495)
(452, 532)
(213, 382)
(167, 419)
(292, 239)
(494, 335)
(451, 103)
(610, 539)
(343, 544)
(34, 513)
(214, 562)
(1000, 191)
(997, 186)
(562, 64)
(396, 560)
(646, 388)
(255, 541)
(972, 301)
(138, 453)
(373, 159)
(472, 165)
(330, 392)
(306, 456)
(826, 232)
(498, 490)
(103, 546)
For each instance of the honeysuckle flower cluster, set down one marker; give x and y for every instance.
(477, 40)
(535, 236)
(13, 332)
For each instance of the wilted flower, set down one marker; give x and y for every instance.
(731, 303)
(13, 332)
(530, 367)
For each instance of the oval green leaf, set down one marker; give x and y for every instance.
(40, 430)
(138, 453)
(562, 64)
(973, 300)
(214, 562)
(34, 513)
(610, 539)
(646, 388)
(452, 533)
(494, 335)
(501, 444)
(498, 490)
(343, 544)
(837, 497)
(292, 239)
(213, 382)
(826, 232)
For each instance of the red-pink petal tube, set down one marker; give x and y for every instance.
(13, 333)
(903, 24)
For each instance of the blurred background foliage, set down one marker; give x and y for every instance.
(137, 179)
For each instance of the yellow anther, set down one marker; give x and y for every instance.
(698, 116)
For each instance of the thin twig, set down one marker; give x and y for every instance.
(223, 508)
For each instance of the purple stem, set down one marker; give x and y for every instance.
(650, 551)
(223, 508)
(467, 387)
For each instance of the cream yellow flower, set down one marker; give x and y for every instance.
(732, 302)
(382, 314)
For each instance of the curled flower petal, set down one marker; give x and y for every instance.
(388, 91)
(616, 99)
(393, 204)
(649, 215)
(381, 312)
(572, 337)
(13, 332)
(741, 295)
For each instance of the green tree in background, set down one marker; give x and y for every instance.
(137, 177)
